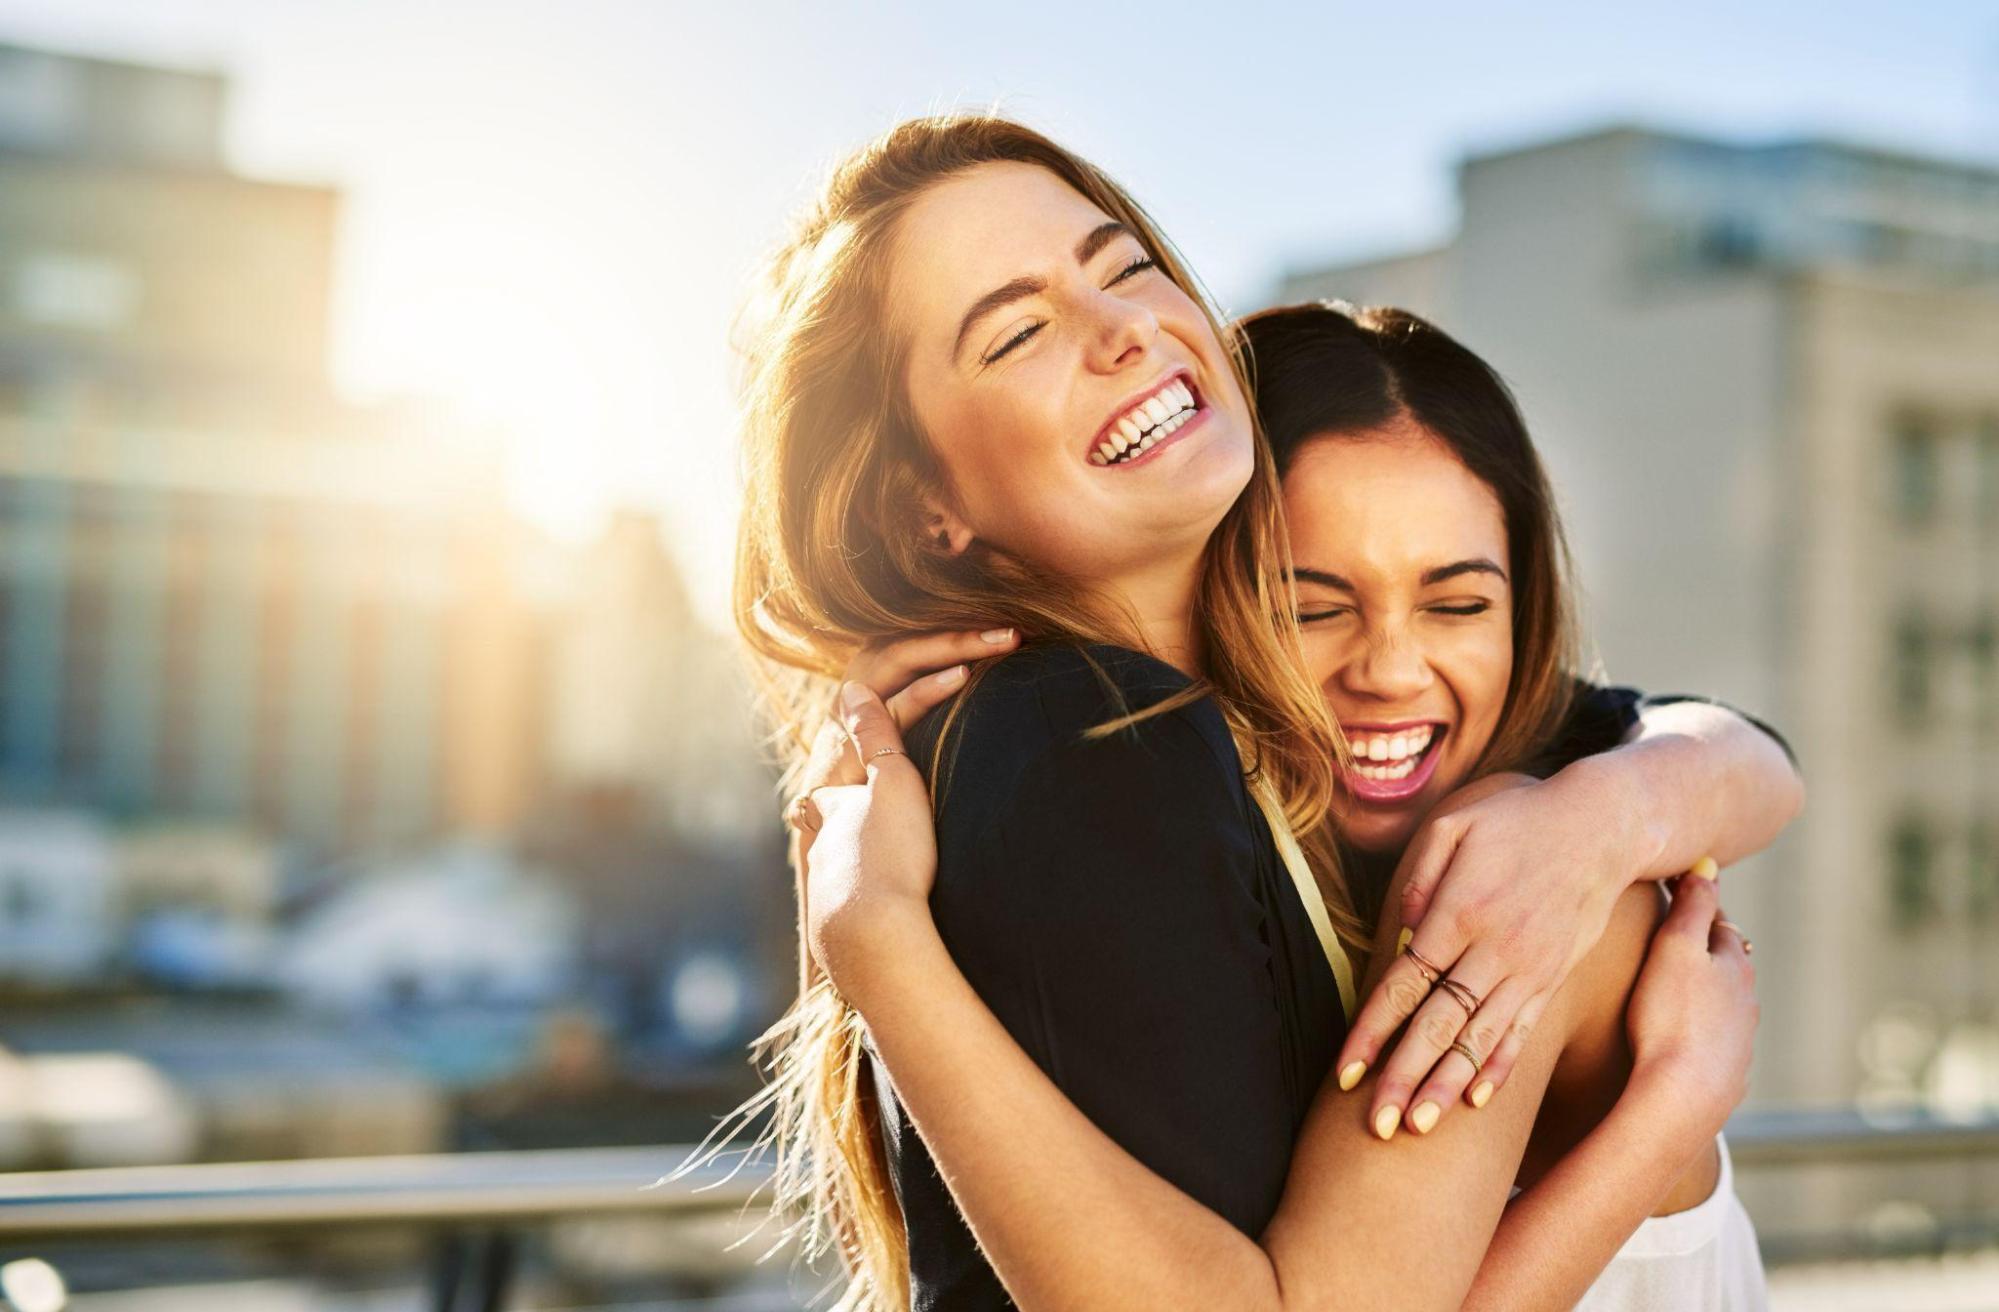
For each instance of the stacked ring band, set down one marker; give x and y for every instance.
(1431, 974)
(1461, 995)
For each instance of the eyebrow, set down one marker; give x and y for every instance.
(1442, 573)
(1021, 288)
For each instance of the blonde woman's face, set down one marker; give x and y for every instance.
(1082, 409)
(1399, 556)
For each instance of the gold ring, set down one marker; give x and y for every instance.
(885, 751)
(1462, 1047)
(1431, 974)
(1461, 995)
(1735, 929)
(803, 814)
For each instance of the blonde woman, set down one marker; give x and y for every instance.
(941, 372)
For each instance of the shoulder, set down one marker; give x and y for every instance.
(1031, 713)
(1600, 717)
(1597, 991)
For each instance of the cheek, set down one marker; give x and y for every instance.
(1480, 670)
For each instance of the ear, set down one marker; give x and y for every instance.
(943, 527)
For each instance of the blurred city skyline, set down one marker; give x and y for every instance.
(545, 219)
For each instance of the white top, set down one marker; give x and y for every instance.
(1701, 1260)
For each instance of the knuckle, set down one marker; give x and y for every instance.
(1405, 993)
(1437, 1028)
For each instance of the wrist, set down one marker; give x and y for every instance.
(875, 947)
(1609, 788)
(1677, 1096)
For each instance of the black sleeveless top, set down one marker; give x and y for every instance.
(1121, 907)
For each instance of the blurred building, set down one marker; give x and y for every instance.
(650, 715)
(225, 593)
(57, 898)
(1766, 378)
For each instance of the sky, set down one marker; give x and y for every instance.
(550, 211)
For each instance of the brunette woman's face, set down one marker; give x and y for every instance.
(1081, 407)
(1400, 556)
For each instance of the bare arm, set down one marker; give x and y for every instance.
(1080, 1223)
(1698, 780)
(1510, 892)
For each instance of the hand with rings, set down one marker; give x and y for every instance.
(1506, 887)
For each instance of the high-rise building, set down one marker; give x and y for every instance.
(1766, 380)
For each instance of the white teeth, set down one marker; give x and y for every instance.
(1179, 393)
(1119, 440)
(1398, 748)
(1156, 408)
(1129, 428)
(1150, 439)
(1097, 458)
(1107, 450)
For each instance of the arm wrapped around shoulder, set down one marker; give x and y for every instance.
(1108, 915)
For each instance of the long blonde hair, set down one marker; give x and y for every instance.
(832, 554)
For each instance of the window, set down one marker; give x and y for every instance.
(1981, 871)
(1988, 470)
(1914, 481)
(1981, 648)
(1911, 676)
(1912, 898)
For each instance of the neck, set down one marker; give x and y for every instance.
(1162, 598)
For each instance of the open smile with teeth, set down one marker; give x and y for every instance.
(1388, 757)
(1146, 424)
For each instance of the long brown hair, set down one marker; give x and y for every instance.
(1330, 369)
(832, 554)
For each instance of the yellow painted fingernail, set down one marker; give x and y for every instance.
(1705, 868)
(1385, 1122)
(1402, 940)
(1350, 1074)
(1480, 1094)
(1424, 1118)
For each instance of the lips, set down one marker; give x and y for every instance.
(1393, 762)
(1146, 419)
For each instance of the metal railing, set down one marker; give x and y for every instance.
(491, 1197)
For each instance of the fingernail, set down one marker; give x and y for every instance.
(1424, 1118)
(952, 677)
(1481, 1093)
(1402, 940)
(1385, 1122)
(1350, 1074)
(997, 636)
(1705, 868)
(852, 696)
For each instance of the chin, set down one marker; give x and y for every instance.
(1376, 831)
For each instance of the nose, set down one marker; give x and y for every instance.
(1124, 331)
(1389, 666)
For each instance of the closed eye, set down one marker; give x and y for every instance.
(1469, 608)
(1307, 616)
(1011, 342)
(1138, 265)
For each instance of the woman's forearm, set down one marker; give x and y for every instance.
(1557, 1237)
(1697, 780)
(1069, 1218)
